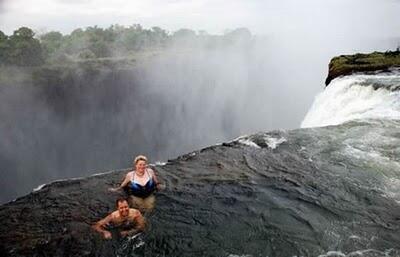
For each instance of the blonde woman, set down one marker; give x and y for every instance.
(140, 184)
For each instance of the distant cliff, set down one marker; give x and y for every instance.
(349, 64)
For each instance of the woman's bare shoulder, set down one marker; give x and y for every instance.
(150, 170)
(130, 174)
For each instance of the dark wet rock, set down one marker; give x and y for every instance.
(283, 193)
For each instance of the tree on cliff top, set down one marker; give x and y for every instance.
(51, 42)
(25, 50)
(4, 46)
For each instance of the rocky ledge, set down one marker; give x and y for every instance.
(373, 62)
(282, 193)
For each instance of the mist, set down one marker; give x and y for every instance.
(183, 98)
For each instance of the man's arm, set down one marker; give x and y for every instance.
(140, 222)
(99, 226)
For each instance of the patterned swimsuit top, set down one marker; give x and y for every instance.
(144, 191)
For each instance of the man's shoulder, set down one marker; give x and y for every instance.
(134, 212)
(114, 215)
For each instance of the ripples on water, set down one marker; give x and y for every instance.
(312, 192)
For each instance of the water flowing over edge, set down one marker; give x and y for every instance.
(356, 97)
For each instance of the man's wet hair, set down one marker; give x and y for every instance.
(119, 200)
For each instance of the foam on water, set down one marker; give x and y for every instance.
(356, 97)
(38, 188)
(362, 253)
(273, 142)
(391, 189)
(248, 142)
(129, 245)
(160, 163)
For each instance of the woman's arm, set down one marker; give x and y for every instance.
(125, 182)
(153, 175)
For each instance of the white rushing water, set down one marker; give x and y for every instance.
(356, 97)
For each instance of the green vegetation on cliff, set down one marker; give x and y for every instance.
(20, 49)
(349, 64)
(94, 44)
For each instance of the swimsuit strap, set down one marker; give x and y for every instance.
(143, 190)
(148, 175)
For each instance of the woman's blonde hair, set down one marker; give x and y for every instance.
(140, 158)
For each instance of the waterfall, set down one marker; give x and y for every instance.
(356, 97)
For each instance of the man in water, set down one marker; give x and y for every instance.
(125, 221)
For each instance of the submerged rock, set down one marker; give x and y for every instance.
(305, 192)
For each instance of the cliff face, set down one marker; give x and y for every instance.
(294, 193)
(62, 122)
(374, 62)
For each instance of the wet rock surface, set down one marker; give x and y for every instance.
(283, 193)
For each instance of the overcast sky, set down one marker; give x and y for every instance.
(335, 18)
